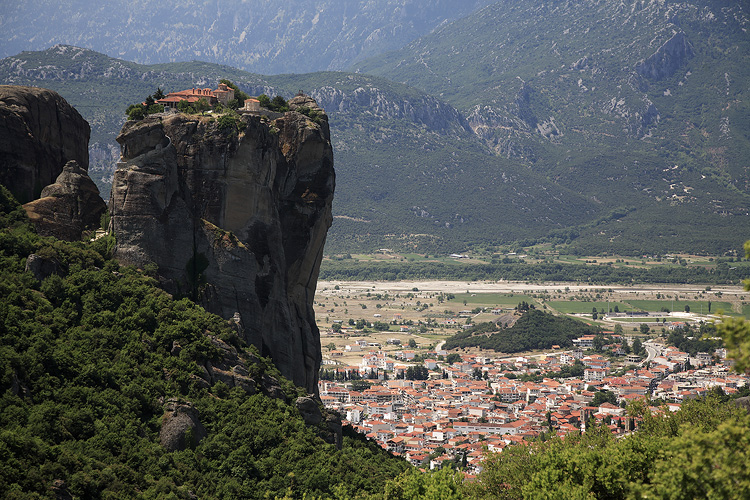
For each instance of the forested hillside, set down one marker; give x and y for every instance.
(95, 359)
(534, 330)
(640, 106)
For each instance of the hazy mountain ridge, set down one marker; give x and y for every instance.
(256, 35)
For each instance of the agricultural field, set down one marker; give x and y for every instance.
(427, 312)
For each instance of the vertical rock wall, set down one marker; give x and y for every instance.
(235, 218)
(39, 133)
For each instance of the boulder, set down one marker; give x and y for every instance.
(667, 59)
(42, 267)
(69, 206)
(180, 426)
(310, 410)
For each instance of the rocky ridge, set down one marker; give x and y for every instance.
(234, 216)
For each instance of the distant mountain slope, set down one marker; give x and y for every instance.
(280, 36)
(410, 171)
(412, 174)
(635, 104)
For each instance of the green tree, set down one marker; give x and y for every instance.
(602, 397)
(184, 107)
(598, 343)
(136, 112)
(453, 357)
(417, 372)
(279, 104)
(644, 329)
(264, 101)
(201, 105)
(638, 347)
(445, 484)
(159, 94)
(412, 343)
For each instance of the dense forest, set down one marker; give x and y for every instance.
(535, 329)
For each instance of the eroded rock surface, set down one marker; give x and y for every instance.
(235, 218)
(667, 59)
(69, 206)
(39, 133)
(180, 426)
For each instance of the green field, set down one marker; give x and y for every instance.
(696, 306)
(492, 299)
(577, 307)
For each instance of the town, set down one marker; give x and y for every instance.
(440, 408)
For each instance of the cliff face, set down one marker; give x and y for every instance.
(39, 133)
(234, 217)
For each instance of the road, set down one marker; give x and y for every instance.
(652, 352)
(327, 287)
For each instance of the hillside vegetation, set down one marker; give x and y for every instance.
(90, 358)
(88, 365)
(532, 331)
(641, 106)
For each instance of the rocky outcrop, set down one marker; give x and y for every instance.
(39, 133)
(329, 425)
(181, 427)
(667, 59)
(69, 206)
(42, 267)
(235, 216)
(433, 114)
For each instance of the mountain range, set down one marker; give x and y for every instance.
(602, 127)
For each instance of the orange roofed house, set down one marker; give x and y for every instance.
(222, 95)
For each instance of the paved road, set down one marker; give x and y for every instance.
(652, 353)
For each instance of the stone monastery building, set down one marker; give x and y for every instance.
(222, 95)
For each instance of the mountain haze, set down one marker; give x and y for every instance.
(281, 36)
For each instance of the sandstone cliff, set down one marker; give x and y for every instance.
(39, 133)
(236, 218)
